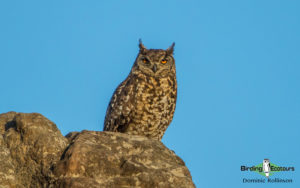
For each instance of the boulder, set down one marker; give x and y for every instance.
(33, 153)
(30, 145)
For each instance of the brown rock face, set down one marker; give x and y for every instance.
(33, 153)
(30, 145)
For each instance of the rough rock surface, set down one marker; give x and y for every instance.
(33, 153)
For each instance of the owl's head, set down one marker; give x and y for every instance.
(266, 161)
(155, 62)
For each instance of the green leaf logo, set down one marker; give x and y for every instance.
(261, 172)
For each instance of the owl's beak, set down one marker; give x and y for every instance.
(154, 68)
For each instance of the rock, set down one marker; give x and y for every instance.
(30, 145)
(106, 159)
(33, 153)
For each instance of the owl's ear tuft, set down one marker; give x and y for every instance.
(170, 50)
(141, 46)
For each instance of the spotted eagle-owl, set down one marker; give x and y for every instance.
(144, 103)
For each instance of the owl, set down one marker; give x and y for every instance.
(266, 167)
(144, 103)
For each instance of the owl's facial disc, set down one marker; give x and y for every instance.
(155, 62)
(154, 67)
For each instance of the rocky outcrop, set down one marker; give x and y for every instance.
(33, 153)
(30, 145)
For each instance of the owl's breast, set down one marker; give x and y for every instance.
(155, 102)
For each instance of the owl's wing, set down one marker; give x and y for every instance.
(118, 114)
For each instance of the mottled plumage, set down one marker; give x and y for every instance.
(144, 103)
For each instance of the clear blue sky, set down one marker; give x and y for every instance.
(238, 65)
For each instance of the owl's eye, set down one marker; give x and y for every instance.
(163, 61)
(145, 60)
